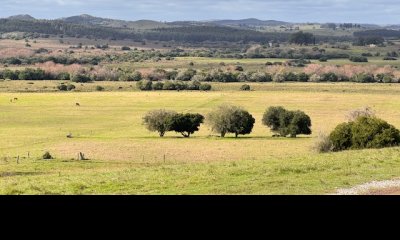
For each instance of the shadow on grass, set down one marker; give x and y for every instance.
(215, 137)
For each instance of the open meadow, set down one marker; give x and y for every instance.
(125, 158)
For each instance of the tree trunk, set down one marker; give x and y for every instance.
(223, 134)
(162, 134)
(236, 134)
(185, 135)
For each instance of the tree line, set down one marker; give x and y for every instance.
(229, 119)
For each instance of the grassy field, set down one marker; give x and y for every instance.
(127, 159)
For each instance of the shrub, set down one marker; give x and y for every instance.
(315, 78)
(186, 124)
(80, 78)
(64, 76)
(125, 48)
(341, 137)
(135, 76)
(286, 122)
(290, 77)
(230, 119)
(144, 85)
(99, 88)
(239, 68)
(323, 59)
(70, 87)
(171, 75)
(62, 87)
(371, 132)
(279, 77)
(169, 85)
(261, 77)
(364, 132)
(245, 87)
(179, 85)
(303, 77)
(387, 79)
(329, 77)
(358, 59)
(158, 86)
(205, 87)
(363, 78)
(186, 75)
(158, 121)
(194, 85)
(47, 156)
(322, 144)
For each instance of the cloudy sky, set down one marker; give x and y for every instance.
(360, 11)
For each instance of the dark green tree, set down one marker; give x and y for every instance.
(186, 124)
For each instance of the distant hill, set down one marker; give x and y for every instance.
(23, 17)
(250, 22)
(86, 19)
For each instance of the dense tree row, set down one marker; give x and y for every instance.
(187, 34)
(385, 33)
(191, 79)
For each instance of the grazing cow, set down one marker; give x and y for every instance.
(77, 104)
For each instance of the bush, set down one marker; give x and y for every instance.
(290, 77)
(279, 78)
(99, 88)
(245, 87)
(186, 124)
(322, 144)
(315, 78)
(47, 156)
(159, 121)
(158, 86)
(64, 76)
(358, 59)
(70, 87)
(186, 75)
(239, 68)
(136, 76)
(329, 77)
(286, 122)
(205, 87)
(144, 85)
(323, 59)
(370, 132)
(260, 77)
(171, 75)
(364, 132)
(125, 48)
(179, 85)
(80, 78)
(303, 77)
(169, 85)
(194, 85)
(230, 119)
(363, 78)
(62, 87)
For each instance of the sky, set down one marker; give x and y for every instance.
(339, 11)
